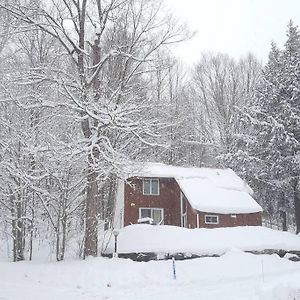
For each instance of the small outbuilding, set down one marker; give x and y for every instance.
(185, 197)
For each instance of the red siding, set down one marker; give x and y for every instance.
(227, 220)
(191, 217)
(169, 200)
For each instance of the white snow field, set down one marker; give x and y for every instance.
(233, 276)
(173, 239)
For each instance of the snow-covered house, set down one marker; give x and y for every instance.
(186, 197)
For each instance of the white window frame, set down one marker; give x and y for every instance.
(152, 208)
(183, 216)
(158, 185)
(214, 216)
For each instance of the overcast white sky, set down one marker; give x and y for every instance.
(235, 27)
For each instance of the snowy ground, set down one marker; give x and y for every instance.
(173, 239)
(234, 276)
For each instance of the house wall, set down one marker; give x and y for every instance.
(227, 220)
(191, 217)
(168, 199)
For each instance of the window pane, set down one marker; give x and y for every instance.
(157, 216)
(211, 220)
(146, 186)
(154, 186)
(145, 213)
(184, 205)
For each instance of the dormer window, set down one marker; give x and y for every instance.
(150, 186)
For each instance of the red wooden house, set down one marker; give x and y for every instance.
(186, 197)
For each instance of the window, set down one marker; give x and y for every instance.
(157, 214)
(150, 187)
(183, 207)
(211, 219)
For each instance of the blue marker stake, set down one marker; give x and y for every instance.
(174, 268)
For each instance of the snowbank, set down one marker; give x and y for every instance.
(234, 276)
(172, 239)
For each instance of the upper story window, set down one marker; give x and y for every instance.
(151, 186)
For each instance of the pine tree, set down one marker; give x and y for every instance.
(291, 108)
(266, 151)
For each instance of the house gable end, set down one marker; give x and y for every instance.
(168, 199)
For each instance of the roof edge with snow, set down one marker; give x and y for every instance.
(208, 190)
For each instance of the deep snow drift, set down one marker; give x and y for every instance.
(172, 239)
(234, 276)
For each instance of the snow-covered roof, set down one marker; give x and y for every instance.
(207, 189)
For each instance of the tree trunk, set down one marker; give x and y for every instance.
(31, 241)
(91, 208)
(61, 230)
(18, 249)
(58, 255)
(64, 236)
(283, 220)
(297, 203)
(91, 220)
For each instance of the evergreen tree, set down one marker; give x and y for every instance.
(266, 152)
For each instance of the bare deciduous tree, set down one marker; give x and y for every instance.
(122, 35)
(222, 86)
